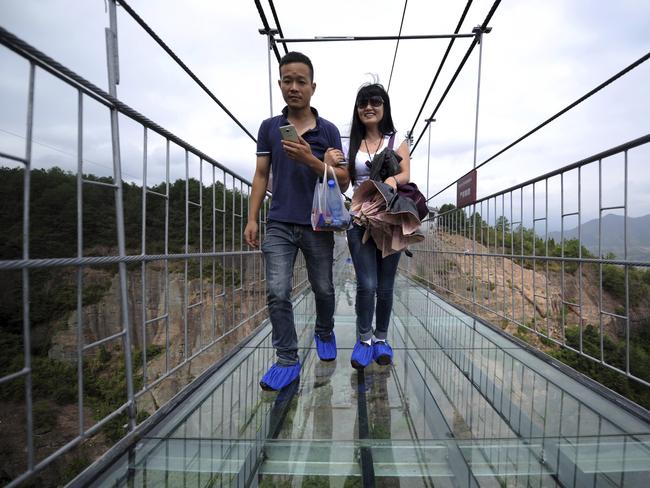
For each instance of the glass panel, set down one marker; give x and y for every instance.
(460, 406)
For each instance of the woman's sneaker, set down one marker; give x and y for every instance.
(361, 355)
(278, 376)
(382, 353)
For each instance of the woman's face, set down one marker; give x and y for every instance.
(370, 109)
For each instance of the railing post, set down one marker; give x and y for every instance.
(113, 80)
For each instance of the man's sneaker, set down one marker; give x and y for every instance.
(326, 348)
(382, 353)
(279, 376)
(361, 355)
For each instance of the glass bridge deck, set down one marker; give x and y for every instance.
(461, 406)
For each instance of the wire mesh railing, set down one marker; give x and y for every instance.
(559, 262)
(116, 294)
(502, 393)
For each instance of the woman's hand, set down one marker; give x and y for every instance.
(392, 182)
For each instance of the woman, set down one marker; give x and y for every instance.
(370, 133)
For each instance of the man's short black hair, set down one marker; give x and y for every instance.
(296, 57)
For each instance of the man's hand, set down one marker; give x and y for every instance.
(250, 234)
(300, 151)
(333, 157)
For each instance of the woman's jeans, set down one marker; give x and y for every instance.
(375, 277)
(280, 247)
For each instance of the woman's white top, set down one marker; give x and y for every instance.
(361, 168)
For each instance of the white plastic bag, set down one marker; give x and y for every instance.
(328, 212)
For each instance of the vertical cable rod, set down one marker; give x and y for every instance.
(143, 249)
(186, 354)
(429, 153)
(627, 268)
(113, 80)
(167, 307)
(25, 271)
(479, 39)
(269, 44)
(80, 320)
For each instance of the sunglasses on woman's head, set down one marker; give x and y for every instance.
(374, 101)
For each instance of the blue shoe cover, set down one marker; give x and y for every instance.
(278, 376)
(361, 355)
(326, 349)
(382, 353)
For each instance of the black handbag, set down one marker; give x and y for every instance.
(409, 190)
(412, 192)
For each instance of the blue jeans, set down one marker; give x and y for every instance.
(280, 248)
(375, 277)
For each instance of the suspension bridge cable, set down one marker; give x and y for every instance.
(72, 156)
(482, 27)
(267, 28)
(277, 24)
(390, 78)
(442, 63)
(56, 69)
(171, 53)
(610, 80)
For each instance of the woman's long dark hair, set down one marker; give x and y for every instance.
(358, 130)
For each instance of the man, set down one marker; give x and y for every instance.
(296, 166)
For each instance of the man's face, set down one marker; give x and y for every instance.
(296, 85)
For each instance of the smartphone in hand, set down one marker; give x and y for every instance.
(289, 133)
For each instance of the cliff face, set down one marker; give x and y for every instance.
(210, 313)
(530, 296)
(104, 318)
(214, 313)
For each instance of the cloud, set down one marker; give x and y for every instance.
(540, 56)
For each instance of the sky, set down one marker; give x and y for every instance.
(540, 56)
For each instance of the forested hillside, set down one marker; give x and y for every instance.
(53, 232)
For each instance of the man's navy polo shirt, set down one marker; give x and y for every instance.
(293, 182)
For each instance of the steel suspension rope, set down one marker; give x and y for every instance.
(442, 63)
(55, 68)
(171, 53)
(610, 80)
(277, 24)
(390, 78)
(482, 27)
(267, 28)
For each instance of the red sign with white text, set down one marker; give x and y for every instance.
(466, 189)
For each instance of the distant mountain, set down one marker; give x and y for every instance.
(638, 235)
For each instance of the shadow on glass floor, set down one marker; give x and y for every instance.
(461, 406)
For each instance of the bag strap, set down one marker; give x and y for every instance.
(391, 141)
(325, 172)
(336, 180)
